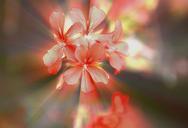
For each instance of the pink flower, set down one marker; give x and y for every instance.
(82, 45)
(57, 21)
(91, 25)
(117, 49)
(53, 58)
(85, 68)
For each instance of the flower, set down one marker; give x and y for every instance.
(57, 21)
(52, 59)
(91, 25)
(83, 45)
(85, 68)
(117, 49)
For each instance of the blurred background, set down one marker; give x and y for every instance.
(156, 75)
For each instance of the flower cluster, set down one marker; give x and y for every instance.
(83, 46)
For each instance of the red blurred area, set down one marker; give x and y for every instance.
(120, 115)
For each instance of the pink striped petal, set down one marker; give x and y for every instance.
(118, 31)
(102, 38)
(96, 16)
(86, 83)
(76, 15)
(69, 52)
(72, 75)
(121, 47)
(116, 61)
(81, 53)
(53, 69)
(74, 29)
(98, 75)
(50, 58)
(80, 41)
(53, 55)
(96, 52)
(57, 20)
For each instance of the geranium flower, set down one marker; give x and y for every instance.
(52, 59)
(57, 21)
(117, 49)
(85, 68)
(91, 31)
(83, 45)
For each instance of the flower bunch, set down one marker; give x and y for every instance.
(83, 46)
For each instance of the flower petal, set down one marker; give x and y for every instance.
(116, 61)
(86, 83)
(118, 31)
(81, 53)
(80, 41)
(96, 52)
(76, 15)
(74, 29)
(53, 69)
(98, 75)
(68, 23)
(102, 38)
(69, 52)
(72, 75)
(53, 55)
(60, 82)
(121, 47)
(57, 21)
(50, 58)
(96, 16)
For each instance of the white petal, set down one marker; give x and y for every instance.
(117, 61)
(122, 47)
(53, 69)
(76, 15)
(57, 21)
(81, 41)
(86, 83)
(81, 53)
(53, 55)
(72, 75)
(96, 52)
(96, 16)
(68, 23)
(69, 52)
(118, 31)
(102, 38)
(74, 30)
(50, 58)
(98, 75)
